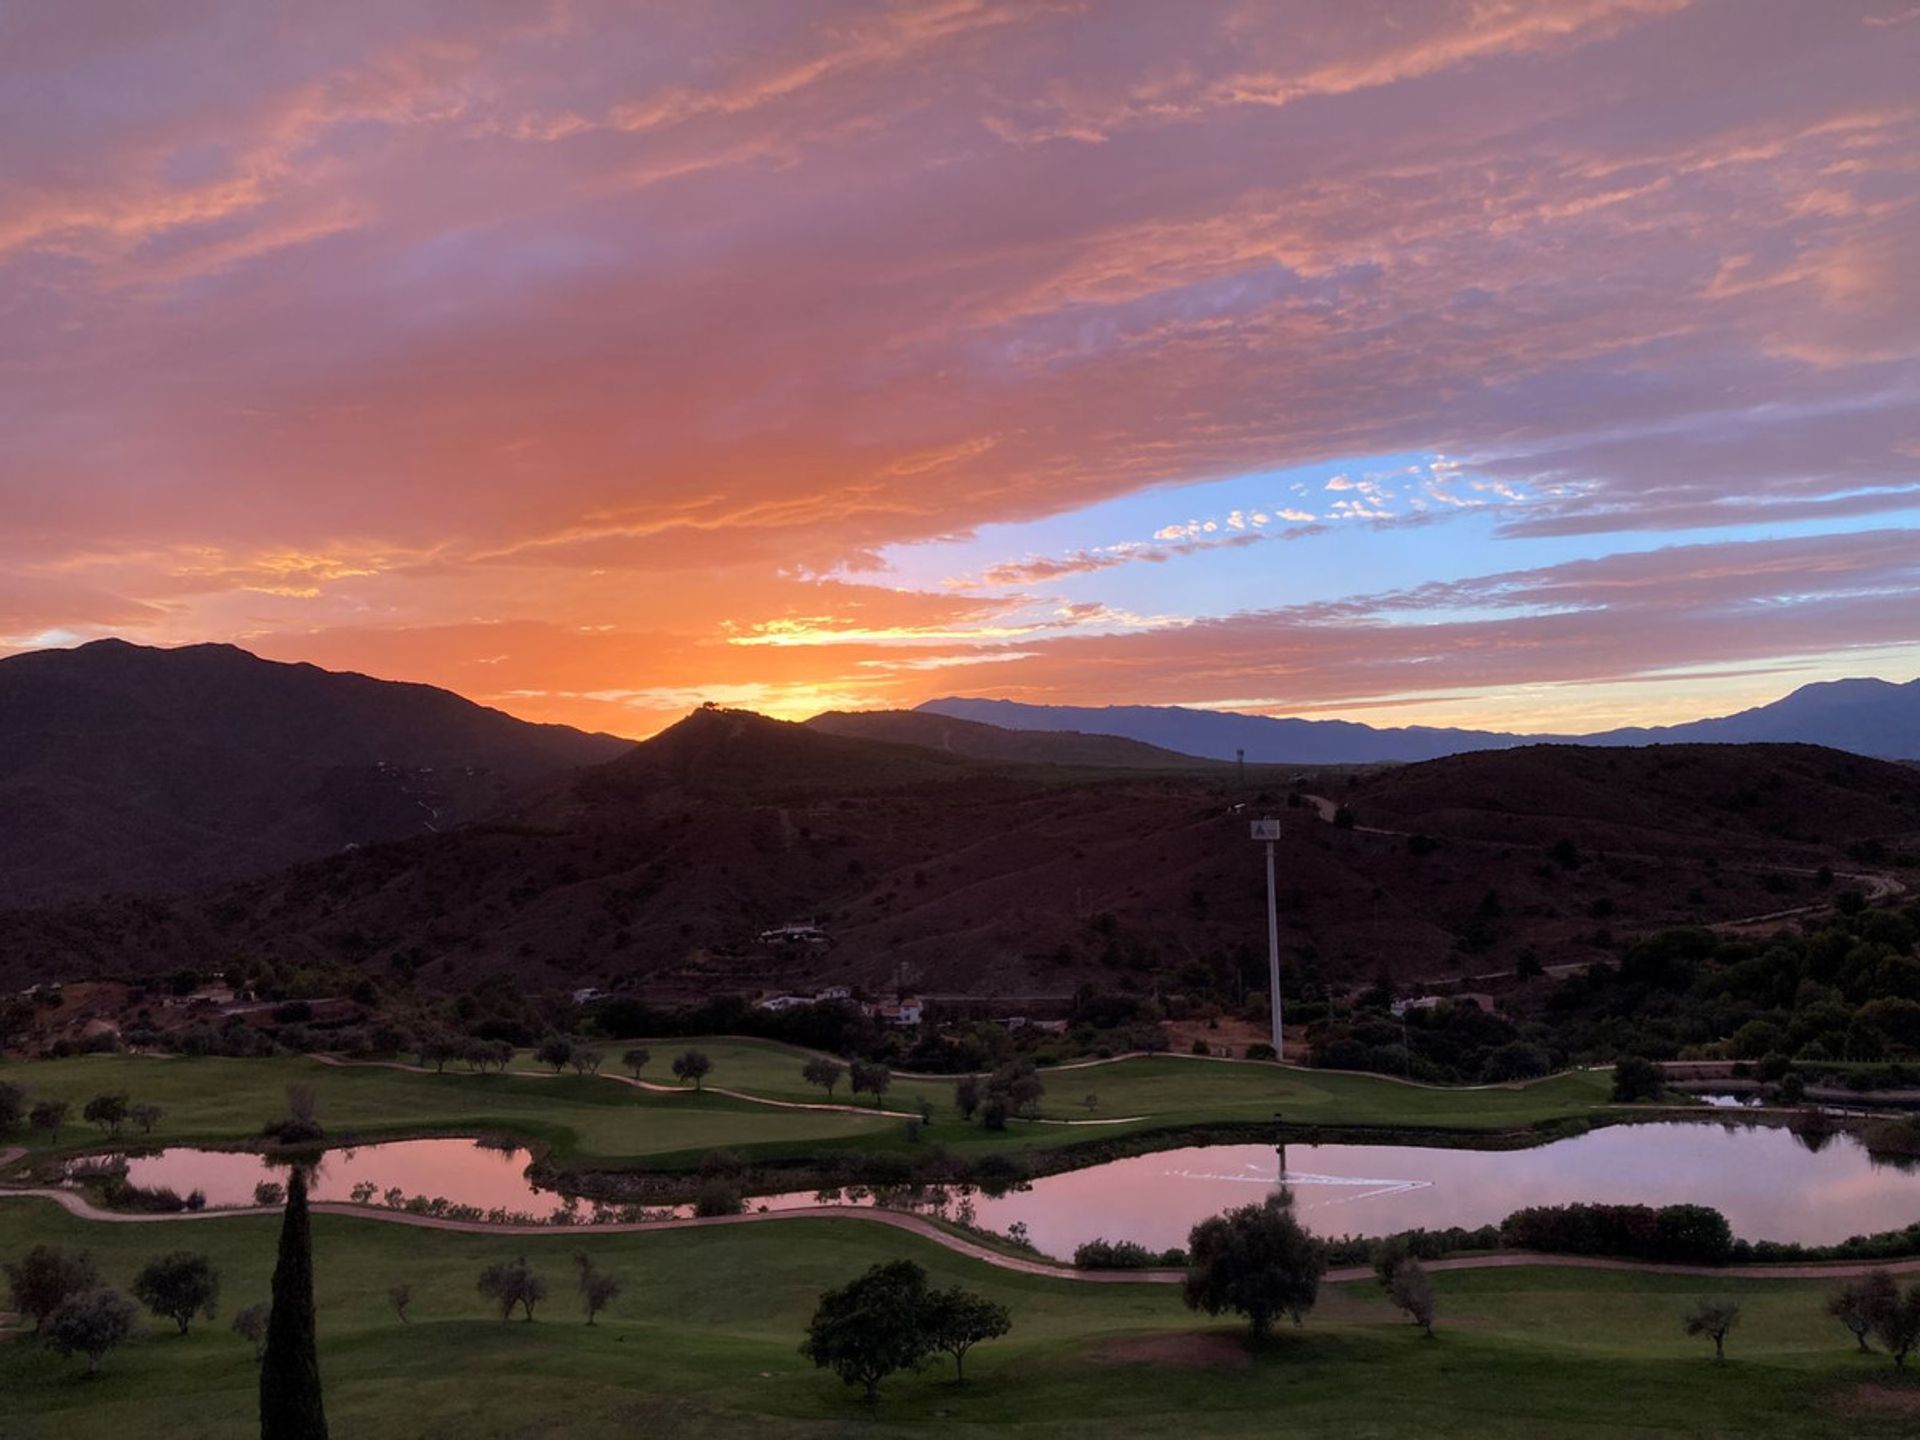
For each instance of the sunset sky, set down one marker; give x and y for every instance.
(1551, 364)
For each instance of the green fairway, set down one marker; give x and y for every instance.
(597, 1121)
(585, 1119)
(702, 1342)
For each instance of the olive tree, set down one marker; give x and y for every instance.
(91, 1323)
(48, 1115)
(250, 1324)
(636, 1059)
(109, 1112)
(1256, 1261)
(1410, 1289)
(1896, 1316)
(597, 1290)
(873, 1327)
(870, 1078)
(1856, 1303)
(956, 1320)
(556, 1051)
(146, 1116)
(178, 1286)
(510, 1283)
(692, 1065)
(823, 1072)
(45, 1276)
(1713, 1317)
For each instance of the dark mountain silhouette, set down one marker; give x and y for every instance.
(660, 869)
(124, 767)
(1868, 717)
(975, 740)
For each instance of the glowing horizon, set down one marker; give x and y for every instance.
(1546, 367)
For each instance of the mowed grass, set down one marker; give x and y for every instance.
(702, 1342)
(596, 1120)
(583, 1119)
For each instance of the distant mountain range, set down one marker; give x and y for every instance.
(125, 768)
(1868, 717)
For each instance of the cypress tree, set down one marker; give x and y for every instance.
(290, 1407)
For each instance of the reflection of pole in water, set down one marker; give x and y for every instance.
(1279, 1125)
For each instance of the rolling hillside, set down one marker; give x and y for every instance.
(126, 768)
(660, 868)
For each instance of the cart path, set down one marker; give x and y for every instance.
(81, 1207)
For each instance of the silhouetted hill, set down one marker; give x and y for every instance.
(977, 741)
(661, 868)
(124, 767)
(1868, 717)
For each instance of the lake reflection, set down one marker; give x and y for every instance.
(1768, 1184)
(462, 1171)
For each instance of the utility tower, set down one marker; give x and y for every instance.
(1269, 831)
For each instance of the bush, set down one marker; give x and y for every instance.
(1686, 1234)
(1114, 1255)
(1260, 1050)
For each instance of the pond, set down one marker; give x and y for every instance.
(462, 1171)
(1768, 1183)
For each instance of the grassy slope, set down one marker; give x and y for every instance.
(702, 1343)
(594, 1119)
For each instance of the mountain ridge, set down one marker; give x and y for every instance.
(1865, 716)
(130, 767)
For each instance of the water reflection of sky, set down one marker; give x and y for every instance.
(1764, 1180)
(460, 1170)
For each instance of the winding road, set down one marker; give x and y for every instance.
(78, 1205)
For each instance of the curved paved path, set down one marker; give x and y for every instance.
(80, 1206)
(869, 1111)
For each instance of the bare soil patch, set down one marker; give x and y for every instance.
(1179, 1350)
(1882, 1400)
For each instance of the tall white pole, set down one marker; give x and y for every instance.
(1273, 959)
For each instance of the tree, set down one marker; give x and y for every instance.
(586, 1060)
(1856, 1303)
(823, 1072)
(291, 1406)
(956, 1320)
(555, 1050)
(597, 1290)
(1636, 1078)
(45, 1277)
(1257, 1262)
(873, 1327)
(49, 1115)
(146, 1116)
(512, 1282)
(1019, 1085)
(269, 1194)
(91, 1323)
(870, 1078)
(966, 1096)
(109, 1112)
(178, 1286)
(1410, 1289)
(250, 1324)
(1713, 1318)
(400, 1296)
(692, 1065)
(1896, 1316)
(636, 1059)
